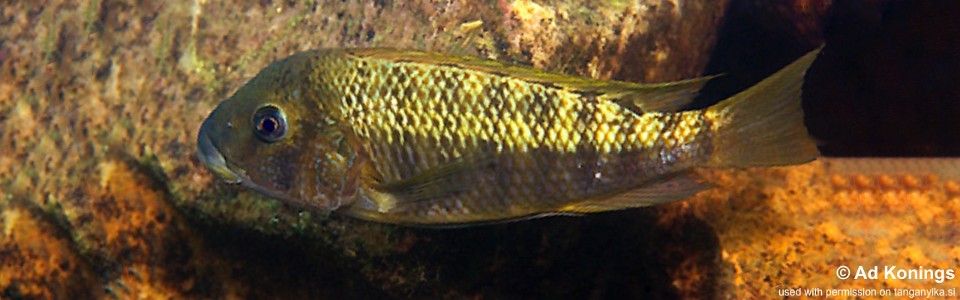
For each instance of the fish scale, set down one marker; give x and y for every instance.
(423, 138)
(576, 128)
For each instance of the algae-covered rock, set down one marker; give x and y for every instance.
(101, 101)
(102, 194)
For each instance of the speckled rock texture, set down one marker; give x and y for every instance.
(101, 101)
(103, 197)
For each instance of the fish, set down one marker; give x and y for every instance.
(430, 139)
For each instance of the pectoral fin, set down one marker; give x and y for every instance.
(443, 181)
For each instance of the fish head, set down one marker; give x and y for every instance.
(272, 137)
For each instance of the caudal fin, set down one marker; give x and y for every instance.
(763, 125)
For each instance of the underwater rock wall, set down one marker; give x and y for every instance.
(101, 101)
(102, 194)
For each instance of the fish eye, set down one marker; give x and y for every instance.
(270, 124)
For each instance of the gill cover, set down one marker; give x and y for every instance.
(273, 137)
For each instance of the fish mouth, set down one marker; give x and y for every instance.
(211, 157)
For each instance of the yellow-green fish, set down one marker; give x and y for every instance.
(430, 139)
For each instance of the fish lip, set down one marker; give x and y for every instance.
(211, 157)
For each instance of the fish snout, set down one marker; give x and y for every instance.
(210, 155)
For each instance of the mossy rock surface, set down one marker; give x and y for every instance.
(102, 194)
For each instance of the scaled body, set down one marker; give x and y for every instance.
(421, 138)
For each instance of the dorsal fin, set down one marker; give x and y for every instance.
(663, 97)
(638, 97)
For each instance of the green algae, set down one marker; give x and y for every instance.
(92, 16)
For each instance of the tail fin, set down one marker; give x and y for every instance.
(763, 125)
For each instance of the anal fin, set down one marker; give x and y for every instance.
(670, 189)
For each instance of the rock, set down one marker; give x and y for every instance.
(102, 101)
(103, 195)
